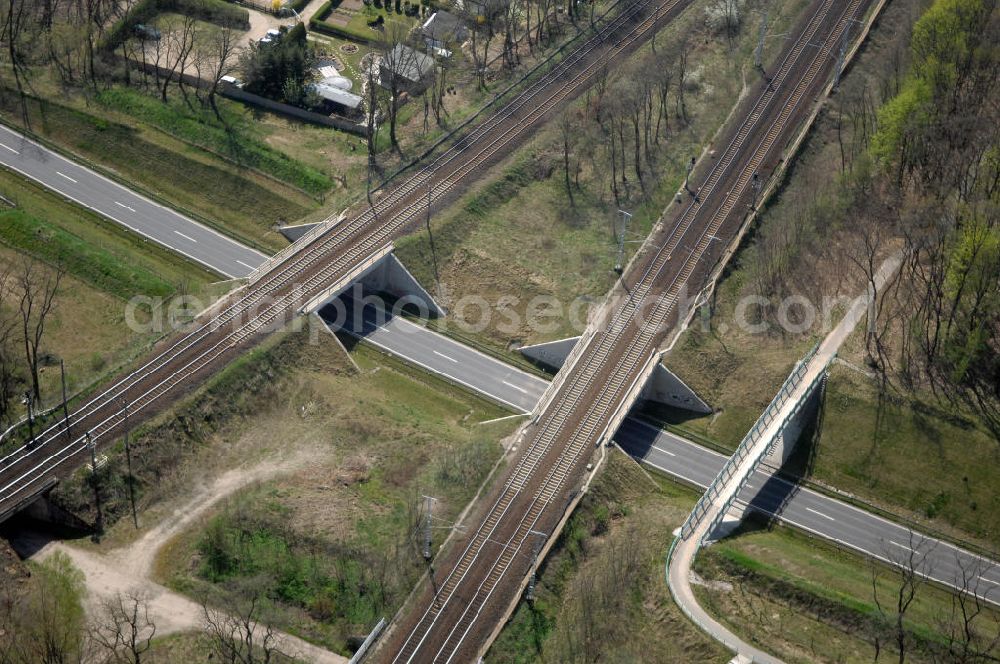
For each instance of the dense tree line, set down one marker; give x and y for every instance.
(936, 169)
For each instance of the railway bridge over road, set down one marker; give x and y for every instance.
(816, 513)
(323, 260)
(476, 582)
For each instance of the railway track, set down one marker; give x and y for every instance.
(273, 296)
(531, 498)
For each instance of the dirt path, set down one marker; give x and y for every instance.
(135, 560)
(127, 569)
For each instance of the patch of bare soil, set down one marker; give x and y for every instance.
(136, 560)
(127, 569)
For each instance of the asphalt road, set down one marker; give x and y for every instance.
(137, 213)
(445, 357)
(816, 513)
(813, 512)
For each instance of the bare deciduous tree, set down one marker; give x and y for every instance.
(238, 636)
(911, 564)
(219, 57)
(38, 285)
(179, 45)
(123, 631)
(969, 640)
(8, 363)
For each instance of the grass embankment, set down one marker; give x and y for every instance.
(907, 452)
(518, 236)
(96, 266)
(243, 203)
(601, 593)
(331, 541)
(204, 130)
(810, 602)
(105, 267)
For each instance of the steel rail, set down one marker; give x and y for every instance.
(281, 274)
(566, 462)
(345, 232)
(241, 305)
(550, 430)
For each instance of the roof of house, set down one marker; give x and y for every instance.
(442, 26)
(336, 95)
(407, 63)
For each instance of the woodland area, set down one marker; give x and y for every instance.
(933, 179)
(918, 174)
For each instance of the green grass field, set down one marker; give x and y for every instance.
(824, 600)
(98, 251)
(242, 203)
(203, 129)
(331, 538)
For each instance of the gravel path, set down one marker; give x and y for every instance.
(128, 569)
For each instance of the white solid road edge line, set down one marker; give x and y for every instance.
(44, 150)
(108, 215)
(856, 547)
(940, 543)
(489, 358)
(438, 372)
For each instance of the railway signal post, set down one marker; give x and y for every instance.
(428, 554)
(529, 594)
(27, 401)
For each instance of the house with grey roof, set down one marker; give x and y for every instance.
(442, 31)
(406, 69)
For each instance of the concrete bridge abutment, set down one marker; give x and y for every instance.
(662, 386)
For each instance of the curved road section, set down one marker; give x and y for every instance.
(137, 213)
(684, 548)
(454, 617)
